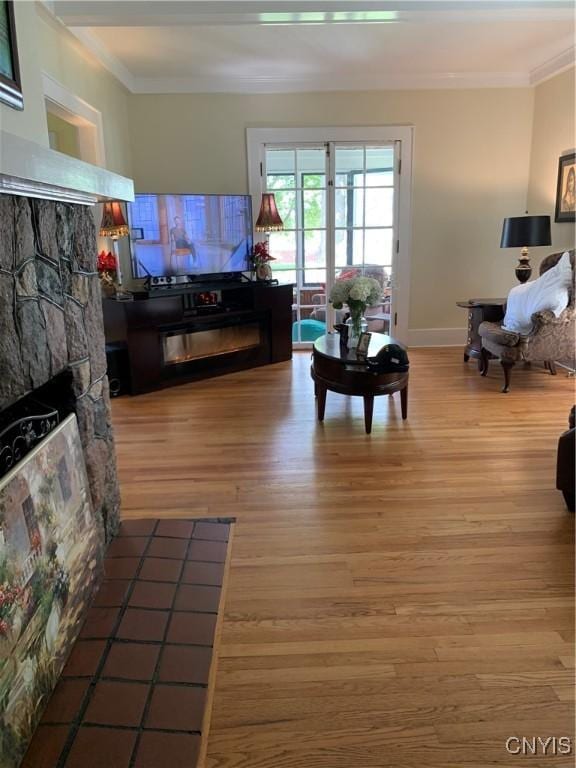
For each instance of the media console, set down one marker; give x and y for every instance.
(200, 330)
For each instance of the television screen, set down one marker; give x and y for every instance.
(190, 234)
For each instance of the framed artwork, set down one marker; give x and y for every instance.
(566, 189)
(10, 84)
(363, 344)
(50, 561)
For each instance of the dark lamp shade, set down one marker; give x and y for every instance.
(113, 222)
(526, 231)
(268, 219)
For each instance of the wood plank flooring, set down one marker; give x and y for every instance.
(399, 600)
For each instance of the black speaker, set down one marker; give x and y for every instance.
(118, 369)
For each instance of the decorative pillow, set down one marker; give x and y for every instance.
(549, 291)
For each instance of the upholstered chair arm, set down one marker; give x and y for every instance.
(548, 318)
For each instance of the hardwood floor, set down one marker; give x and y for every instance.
(403, 599)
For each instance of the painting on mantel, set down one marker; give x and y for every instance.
(10, 83)
(50, 563)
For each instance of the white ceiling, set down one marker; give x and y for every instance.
(226, 45)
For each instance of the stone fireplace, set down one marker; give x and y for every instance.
(51, 322)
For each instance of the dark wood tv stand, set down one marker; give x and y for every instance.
(169, 340)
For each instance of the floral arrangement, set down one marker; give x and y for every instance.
(358, 293)
(107, 268)
(261, 259)
(261, 254)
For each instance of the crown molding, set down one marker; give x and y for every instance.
(256, 85)
(169, 12)
(107, 59)
(554, 66)
(122, 13)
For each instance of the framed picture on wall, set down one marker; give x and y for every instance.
(566, 189)
(10, 85)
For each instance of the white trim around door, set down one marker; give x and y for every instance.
(403, 138)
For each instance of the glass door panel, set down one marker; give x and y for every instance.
(365, 219)
(338, 204)
(298, 178)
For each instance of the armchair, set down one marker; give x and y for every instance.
(551, 338)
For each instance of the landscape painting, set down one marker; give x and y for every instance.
(50, 562)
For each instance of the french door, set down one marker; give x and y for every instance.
(341, 203)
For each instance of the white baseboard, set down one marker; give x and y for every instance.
(437, 337)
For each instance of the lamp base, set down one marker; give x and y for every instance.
(523, 271)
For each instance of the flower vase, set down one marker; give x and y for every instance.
(357, 325)
(264, 272)
(108, 289)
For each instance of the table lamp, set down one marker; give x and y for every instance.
(269, 219)
(524, 232)
(114, 225)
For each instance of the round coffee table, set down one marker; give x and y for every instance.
(337, 369)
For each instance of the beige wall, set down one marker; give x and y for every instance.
(553, 134)
(30, 123)
(45, 45)
(67, 61)
(472, 151)
(65, 135)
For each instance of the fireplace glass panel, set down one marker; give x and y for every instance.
(183, 347)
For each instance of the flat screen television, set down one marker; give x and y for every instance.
(190, 234)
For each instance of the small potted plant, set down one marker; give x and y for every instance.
(261, 259)
(107, 269)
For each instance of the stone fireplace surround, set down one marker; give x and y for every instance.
(51, 322)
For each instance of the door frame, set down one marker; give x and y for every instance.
(256, 140)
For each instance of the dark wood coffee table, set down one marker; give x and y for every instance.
(339, 370)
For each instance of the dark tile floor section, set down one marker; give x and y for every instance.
(134, 689)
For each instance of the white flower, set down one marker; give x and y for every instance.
(359, 289)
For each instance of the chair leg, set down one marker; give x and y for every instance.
(552, 367)
(484, 361)
(546, 365)
(507, 366)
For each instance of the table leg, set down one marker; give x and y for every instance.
(404, 401)
(321, 400)
(368, 410)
